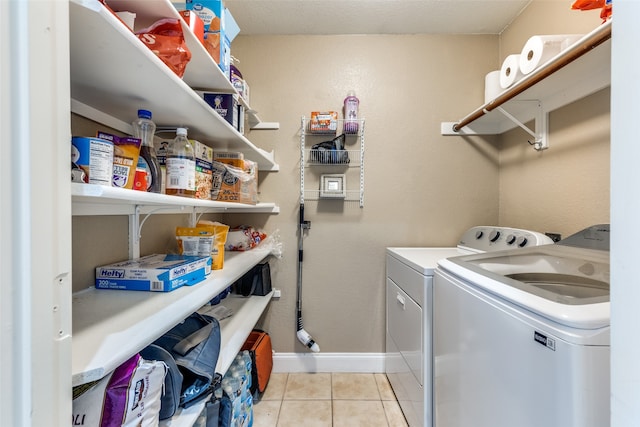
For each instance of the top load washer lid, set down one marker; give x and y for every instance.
(423, 260)
(481, 238)
(566, 284)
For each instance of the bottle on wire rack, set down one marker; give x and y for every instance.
(181, 166)
(145, 129)
(351, 104)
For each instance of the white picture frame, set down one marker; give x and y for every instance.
(333, 186)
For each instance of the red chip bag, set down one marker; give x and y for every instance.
(605, 13)
(166, 40)
(587, 4)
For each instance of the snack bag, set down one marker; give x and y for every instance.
(244, 238)
(587, 4)
(220, 239)
(166, 40)
(126, 151)
(195, 241)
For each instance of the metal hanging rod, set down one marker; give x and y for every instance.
(590, 41)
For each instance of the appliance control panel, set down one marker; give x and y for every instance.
(491, 239)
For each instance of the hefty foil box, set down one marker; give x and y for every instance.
(157, 273)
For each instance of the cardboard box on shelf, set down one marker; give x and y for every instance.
(232, 184)
(195, 23)
(225, 104)
(204, 172)
(232, 158)
(219, 30)
(157, 273)
(323, 122)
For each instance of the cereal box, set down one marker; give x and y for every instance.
(323, 122)
(204, 172)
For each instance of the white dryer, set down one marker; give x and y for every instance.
(521, 338)
(410, 271)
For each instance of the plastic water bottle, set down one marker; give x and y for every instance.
(181, 166)
(145, 129)
(246, 357)
(351, 105)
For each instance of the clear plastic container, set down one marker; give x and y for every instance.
(181, 166)
(144, 128)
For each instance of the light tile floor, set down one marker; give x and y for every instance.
(328, 400)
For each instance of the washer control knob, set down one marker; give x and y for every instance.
(479, 234)
(511, 239)
(522, 241)
(494, 235)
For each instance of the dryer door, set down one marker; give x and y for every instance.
(404, 324)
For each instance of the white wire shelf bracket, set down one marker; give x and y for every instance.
(580, 70)
(331, 160)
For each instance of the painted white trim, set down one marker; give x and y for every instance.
(328, 362)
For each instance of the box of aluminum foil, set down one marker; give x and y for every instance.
(156, 273)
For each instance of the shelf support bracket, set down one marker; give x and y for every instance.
(134, 233)
(135, 228)
(541, 133)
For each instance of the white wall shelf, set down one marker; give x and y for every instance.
(113, 72)
(109, 325)
(580, 70)
(233, 333)
(90, 199)
(325, 162)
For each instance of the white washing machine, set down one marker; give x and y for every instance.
(410, 271)
(521, 338)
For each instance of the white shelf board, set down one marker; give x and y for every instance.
(110, 325)
(584, 76)
(234, 331)
(184, 417)
(90, 199)
(113, 72)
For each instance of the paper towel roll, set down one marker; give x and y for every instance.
(539, 49)
(510, 71)
(492, 86)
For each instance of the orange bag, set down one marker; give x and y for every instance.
(259, 345)
(587, 4)
(166, 40)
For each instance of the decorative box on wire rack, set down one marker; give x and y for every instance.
(157, 273)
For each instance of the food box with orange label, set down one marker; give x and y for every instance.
(220, 28)
(323, 122)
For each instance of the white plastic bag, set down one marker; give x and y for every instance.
(127, 397)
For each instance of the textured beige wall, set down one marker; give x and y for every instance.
(421, 189)
(566, 187)
(546, 17)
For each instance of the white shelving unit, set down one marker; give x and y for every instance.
(113, 74)
(580, 70)
(322, 163)
(90, 199)
(109, 325)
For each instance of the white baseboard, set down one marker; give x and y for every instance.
(328, 362)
